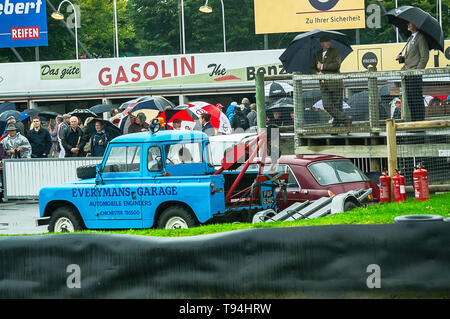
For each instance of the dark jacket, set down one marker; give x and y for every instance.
(136, 128)
(331, 64)
(97, 148)
(209, 129)
(41, 142)
(73, 139)
(240, 121)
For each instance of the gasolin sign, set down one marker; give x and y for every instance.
(23, 23)
(306, 15)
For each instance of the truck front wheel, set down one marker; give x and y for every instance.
(64, 220)
(176, 217)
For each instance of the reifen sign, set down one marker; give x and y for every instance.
(23, 23)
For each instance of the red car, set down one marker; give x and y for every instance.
(310, 176)
(314, 176)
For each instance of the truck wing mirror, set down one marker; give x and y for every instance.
(98, 176)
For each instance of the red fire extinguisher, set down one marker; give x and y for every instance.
(385, 188)
(420, 177)
(399, 187)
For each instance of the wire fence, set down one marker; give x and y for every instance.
(430, 148)
(345, 114)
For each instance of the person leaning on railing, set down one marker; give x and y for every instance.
(416, 57)
(328, 61)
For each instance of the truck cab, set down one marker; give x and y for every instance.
(164, 179)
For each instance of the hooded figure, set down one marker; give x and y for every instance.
(230, 110)
(15, 144)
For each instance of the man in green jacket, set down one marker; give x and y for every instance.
(416, 57)
(328, 61)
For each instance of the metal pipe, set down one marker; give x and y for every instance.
(183, 51)
(115, 28)
(244, 169)
(261, 140)
(76, 24)
(223, 27)
(71, 32)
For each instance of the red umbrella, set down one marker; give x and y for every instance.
(218, 119)
(190, 117)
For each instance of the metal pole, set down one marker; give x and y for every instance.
(76, 23)
(179, 26)
(17, 54)
(440, 13)
(260, 102)
(76, 29)
(116, 31)
(71, 32)
(182, 28)
(223, 26)
(396, 29)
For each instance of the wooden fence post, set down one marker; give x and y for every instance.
(391, 146)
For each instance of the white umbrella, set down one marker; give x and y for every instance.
(319, 105)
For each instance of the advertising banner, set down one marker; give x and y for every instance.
(181, 70)
(23, 23)
(306, 15)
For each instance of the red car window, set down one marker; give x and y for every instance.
(336, 172)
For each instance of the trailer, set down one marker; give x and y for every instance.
(161, 179)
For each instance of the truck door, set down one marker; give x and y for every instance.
(119, 196)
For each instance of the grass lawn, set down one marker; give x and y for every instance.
(375, 214)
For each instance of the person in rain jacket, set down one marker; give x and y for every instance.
(99, 140)
(230, 110)
(15, 144)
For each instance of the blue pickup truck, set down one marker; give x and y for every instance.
(160, 179)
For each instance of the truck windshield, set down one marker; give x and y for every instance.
(183, 153)
(336, 172)
(123, 159)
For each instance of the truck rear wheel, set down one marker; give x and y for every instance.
(64, 220)
(176, 217)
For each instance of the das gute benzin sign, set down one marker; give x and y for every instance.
(306, 15)
(61, 71)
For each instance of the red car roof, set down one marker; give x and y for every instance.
(304, 160)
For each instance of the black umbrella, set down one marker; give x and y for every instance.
(7, 106)
(285, 102)
(310, 97)
(82, 114)
(428, 25)
(110, 129)
(277, 89)
(101, 108)
(48, 114)
(9, 113)
(31, 112)
(359, 104)
(298, 55)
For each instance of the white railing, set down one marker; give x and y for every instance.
(23, 178)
